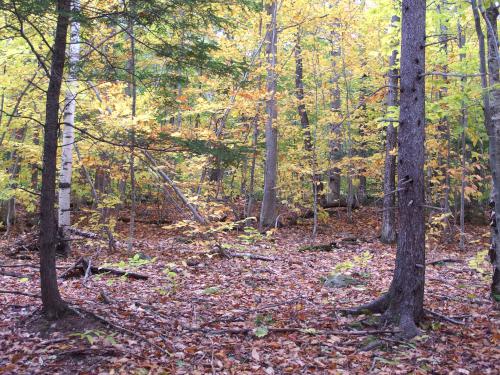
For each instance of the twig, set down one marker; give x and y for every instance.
(123, 330)
(444, 317)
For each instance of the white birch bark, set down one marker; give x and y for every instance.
(68, 129)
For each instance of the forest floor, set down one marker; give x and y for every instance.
(205, 314)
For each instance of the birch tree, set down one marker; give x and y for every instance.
(68, 136)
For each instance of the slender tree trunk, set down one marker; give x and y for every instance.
(304, 123)
(68, 137)
(350, 187)
(388, 234)
(335, 106)
(463, 119)
(53, 305)
(299, 94)
(491, 16)
(250, 199)
(268, 209)
(133, 95)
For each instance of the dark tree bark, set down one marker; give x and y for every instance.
(488, 123)
(388, 234)
(403, 303)
(53, 305)
(268, 209)
(335, 104)
(491, 16)
(299, 93)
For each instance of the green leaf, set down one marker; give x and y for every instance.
(261, 331)
(211, 290)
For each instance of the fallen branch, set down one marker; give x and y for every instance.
(244, 331)
(324, 247)
(84, 266)
(11, 274)
(444, 317)
(123, 330)
(155, 167)
(446, 260)
(20, 293)
(35, 266)
(225, 253)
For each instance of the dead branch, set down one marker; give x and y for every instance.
(20, 293)
(225, 253)
(445, 260)
(84, 266)
(12, 274)
(443, 317)
(123, 330)
(244, 331)
(323, 247)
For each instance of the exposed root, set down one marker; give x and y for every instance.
(378, 306)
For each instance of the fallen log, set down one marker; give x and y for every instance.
(83, 266)
(442, 261)
(12, 274)
(324, 247)
(226, 253)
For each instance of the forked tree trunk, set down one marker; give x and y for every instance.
(53, 305)
(68, 137)
(403, 303)
(268, 209)
(388, 234)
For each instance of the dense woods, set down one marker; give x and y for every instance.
(256, 186)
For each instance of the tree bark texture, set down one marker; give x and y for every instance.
(53, 305)
(268, 209)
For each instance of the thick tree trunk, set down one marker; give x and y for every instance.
(403, 303)
(407, 288)
(53, 305)
(388, 234)
(68, 137)
(268, 209)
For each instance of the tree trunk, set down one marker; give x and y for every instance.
(335, 104)
(268, 209)
(133, 94)
(299, 94)
(407, 288)
(68, 137)
(463, 119)
(53, 305)
(490, 17)
(403, 303)
(388, 234)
